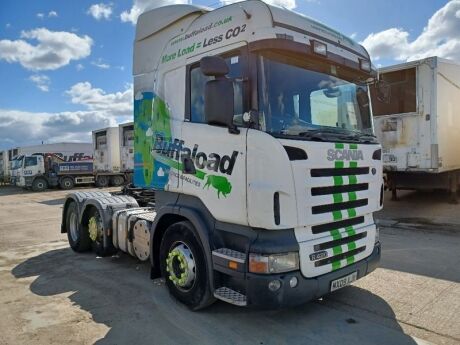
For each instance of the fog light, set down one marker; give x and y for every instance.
(293, 282)
(274, 285)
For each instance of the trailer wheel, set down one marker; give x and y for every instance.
(77, 235)
(183, 264)
(102, 181)
(66, 183)
(96, 234)
(39, 185)
(117, 180)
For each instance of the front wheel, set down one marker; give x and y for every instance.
(39, 185)
(183, 264)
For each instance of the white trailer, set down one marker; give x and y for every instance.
(419, 127)
(126, 134)
(254, 156)
(4, 162)
(107, 159)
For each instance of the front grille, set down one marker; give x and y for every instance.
(340, 256)
(339, 189)
(339, 242)
(338, 172)
(317, 229)
(339, 206)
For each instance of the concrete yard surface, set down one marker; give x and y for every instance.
(51, 295)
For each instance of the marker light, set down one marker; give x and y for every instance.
(365, 65)
(319, 48)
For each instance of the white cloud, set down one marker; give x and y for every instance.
(18, 128)
(41, 81)
(99, 63)
(289, 4)
(101, 109)
(95, 99)
(54, 49)
(140, 6)
(79, 67)
(100, 11)
(52, 14)
(40, 15)
(441, 37)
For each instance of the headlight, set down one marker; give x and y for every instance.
(274, 263)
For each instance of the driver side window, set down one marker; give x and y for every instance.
(198, 81)
(30, 161)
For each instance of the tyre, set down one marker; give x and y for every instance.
(77, 235)
(39, 185)
(102, 181)
(183, 265)
(117, 180)
(66, 183)
(96, 234)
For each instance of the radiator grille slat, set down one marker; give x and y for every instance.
(338, 172)
(339, 206)
(339, 189)
(339, 256)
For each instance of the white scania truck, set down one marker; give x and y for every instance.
(254, 139)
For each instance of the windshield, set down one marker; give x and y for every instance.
(301, 98)
(16, 163)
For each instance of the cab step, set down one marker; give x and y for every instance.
(230, 296)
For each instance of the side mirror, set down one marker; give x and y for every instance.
(218, 94)
(383, 91)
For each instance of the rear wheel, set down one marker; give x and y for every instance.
(77, 235)
(102, 181)
(66, 183)
(183, 264)
(39, 185)
(117, 180)
(96, 234)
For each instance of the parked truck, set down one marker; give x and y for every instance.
(107, 167)
(254, 138)
(419, 127)
(68, 152)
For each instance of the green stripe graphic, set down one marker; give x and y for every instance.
(353, 146)
(339, 164)
(339, 146)
(337, 215)
(338, 180)
(352, 179)
(353, 164)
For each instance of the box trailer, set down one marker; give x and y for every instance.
(126, 135)
(419, 127)
(255, 159)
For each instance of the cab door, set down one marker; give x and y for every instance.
(218, 156)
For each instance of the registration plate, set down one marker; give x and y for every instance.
(344, 281)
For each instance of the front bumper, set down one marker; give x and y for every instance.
(307, 289)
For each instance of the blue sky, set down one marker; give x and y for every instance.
(87, 83)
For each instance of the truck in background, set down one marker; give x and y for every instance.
(67, 151)
(4, 167)
(254, 131)
(419, 127)
(106, 168)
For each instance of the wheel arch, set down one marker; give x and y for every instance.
(170, 215)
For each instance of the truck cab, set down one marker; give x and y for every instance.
(253, 127)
